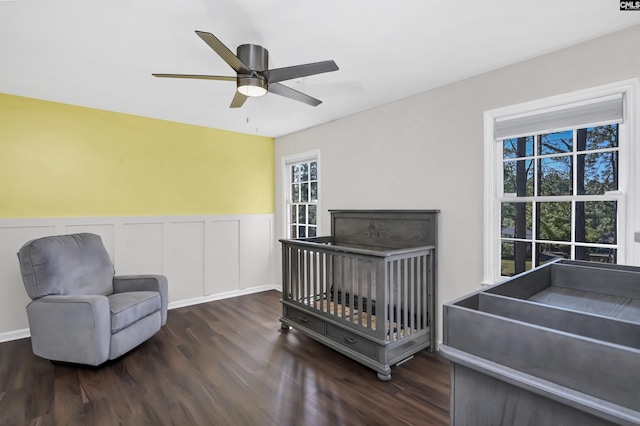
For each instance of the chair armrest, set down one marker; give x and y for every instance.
(71, 328)
(125, 283)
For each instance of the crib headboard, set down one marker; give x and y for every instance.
(384, 228)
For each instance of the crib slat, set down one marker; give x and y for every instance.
(353, 265)
(372, 283)
(412, 300)
(338, 285)
(421, 289)
(432, 301)
(294, 273)
(322, 294)
(405, 296)
(343, 301)
(390, 298)
(362, 264)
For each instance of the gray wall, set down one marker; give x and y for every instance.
(426, 152)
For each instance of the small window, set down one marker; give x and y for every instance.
(301, 198)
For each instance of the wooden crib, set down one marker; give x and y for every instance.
(369, 289)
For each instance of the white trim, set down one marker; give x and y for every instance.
(15, 335)
(301, 157)
(491, 255)
(629, 178)
(221, 296)
(61, 222)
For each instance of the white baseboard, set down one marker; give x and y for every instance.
(15, 335)
(220, 296)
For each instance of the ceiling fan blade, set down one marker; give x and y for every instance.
(224, 52)
(238, 100)
(196, 76)
(290, 93)
(298, 71)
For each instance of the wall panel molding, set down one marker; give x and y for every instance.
(204, 257)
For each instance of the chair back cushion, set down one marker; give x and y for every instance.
(66, 265)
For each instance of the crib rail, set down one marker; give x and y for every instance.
(385, 294)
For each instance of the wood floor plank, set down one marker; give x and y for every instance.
(226, 362)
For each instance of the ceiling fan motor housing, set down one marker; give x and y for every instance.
(257, 59)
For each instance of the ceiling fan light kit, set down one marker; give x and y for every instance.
(253, 78)
(252, 86)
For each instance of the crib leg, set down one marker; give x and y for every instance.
(386, 376)
(284, 326)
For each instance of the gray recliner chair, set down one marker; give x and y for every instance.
(80, 312)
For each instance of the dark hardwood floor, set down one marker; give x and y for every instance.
(222, 363)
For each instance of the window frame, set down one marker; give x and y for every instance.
(287, 162)
(629, 152)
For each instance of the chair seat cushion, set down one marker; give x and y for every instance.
(129, 307)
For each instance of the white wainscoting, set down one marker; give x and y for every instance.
(204, 257)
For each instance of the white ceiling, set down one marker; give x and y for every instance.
(101, 54)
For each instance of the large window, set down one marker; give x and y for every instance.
(562, 181)
(559, 197)
(301, 196)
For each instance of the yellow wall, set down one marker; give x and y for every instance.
(63, 160)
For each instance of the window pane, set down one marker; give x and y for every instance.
(295, 193)
(548, 252)
(312, 215)
(556, 143)
(597, 254)
(313, 170)
(312, 231)
(600, 171)
(304, 172)
(602, 137)
(554, 221)
(294, 233)
(515, 257)
(302, 232)
(518, 147)
(555, 176)
(295, 173)
(518, 178)
(304, 193)
(302, 214)
(596, 222)
(314, 191)
(294, 214)
(516, 220)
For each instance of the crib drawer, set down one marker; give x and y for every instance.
(352, 341)
(305, 320)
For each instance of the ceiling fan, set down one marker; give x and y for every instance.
(253, 78)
